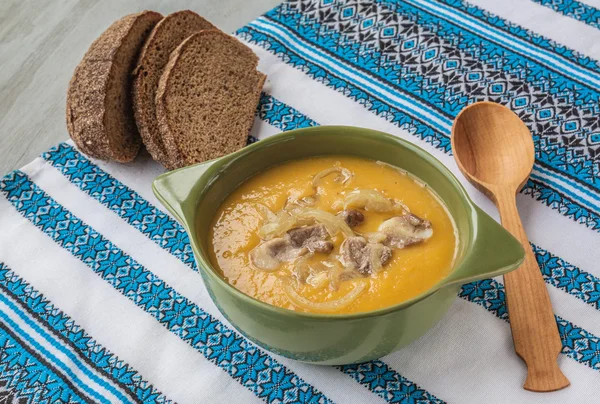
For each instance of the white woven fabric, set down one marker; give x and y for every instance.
(125, 316)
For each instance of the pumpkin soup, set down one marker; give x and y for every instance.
(335, 234)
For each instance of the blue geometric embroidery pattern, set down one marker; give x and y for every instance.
(519, 32)
(275, 113)
(372, 104)
(378, 377)
(281, 115)
(483, 70)
(574, 9)
(37, 306)
(567, 277)
(126, 203)
(266, 378)
(578, 343)
(558, 201)
(26, 379)
(551, 197)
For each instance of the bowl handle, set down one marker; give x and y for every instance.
(174, 188)
(494, 252)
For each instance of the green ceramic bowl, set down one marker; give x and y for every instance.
(194, 193)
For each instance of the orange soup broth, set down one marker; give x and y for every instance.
(412, 270)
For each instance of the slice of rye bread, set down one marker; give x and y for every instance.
(207, 97)
(99, 110)
(165, 37)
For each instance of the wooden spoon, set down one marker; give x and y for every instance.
(494, 150)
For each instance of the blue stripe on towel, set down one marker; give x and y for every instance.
(59, 365)
(584, 203)
(518, 32)
(282, 116)
(561, 203)
(373, 104)
(558, 65)
(578, 343)
(42, 335)
(379, 84)
(591, 197)
(375, 84)
(28, 377)
(573, 280)
(384, 381)
(244, 362)
(451, 21)
(125, 202)
(575, 9)
(71, 334)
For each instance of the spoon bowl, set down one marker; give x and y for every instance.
(492, 146)
(494, 150)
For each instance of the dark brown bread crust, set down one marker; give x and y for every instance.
(165, 37)
(228, 141)
(95, 91)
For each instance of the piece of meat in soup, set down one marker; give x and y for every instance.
(364, 257)
(270, 254)
(352, 217)
(402, 231)
(297, 242)
(314, 238)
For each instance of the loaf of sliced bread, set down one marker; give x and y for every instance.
(165, 37)
(99, 109)
(207, 97)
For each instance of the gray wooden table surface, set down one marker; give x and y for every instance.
(41, 42)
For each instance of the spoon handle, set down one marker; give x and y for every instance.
(534, 329)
